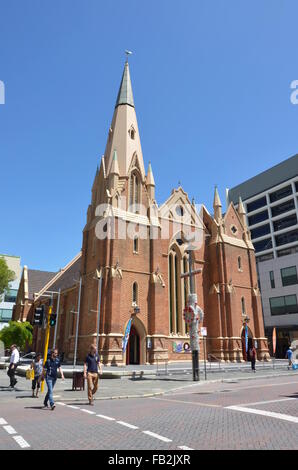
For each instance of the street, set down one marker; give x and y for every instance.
(260, 413)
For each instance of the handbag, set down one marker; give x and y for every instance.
(29, 374)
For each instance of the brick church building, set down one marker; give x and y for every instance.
(140, 250)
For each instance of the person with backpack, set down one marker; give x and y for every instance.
(252, 356)
(37, 366)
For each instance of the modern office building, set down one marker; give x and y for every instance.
(7, 301)
(271, 203)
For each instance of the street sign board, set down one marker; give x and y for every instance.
(203, 331)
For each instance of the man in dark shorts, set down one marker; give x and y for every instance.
(51, 367)
(91, 366)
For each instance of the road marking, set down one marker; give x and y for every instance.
(127, 425)
(21, 441)
(267, 401)
(106, 417)
(271, 414)
(157, 436)
(185, 448)
(60, 403)
(88, 411)
(2, 421)
(10, 429)
(74, 407)
(188, 402)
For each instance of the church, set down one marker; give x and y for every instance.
(131, 265)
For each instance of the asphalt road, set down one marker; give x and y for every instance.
(254, 414)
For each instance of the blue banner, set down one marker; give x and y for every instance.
(246, 338)
(126, 336)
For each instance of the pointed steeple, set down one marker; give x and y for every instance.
(150, 183)
(124, 133)
(217, 206)
(114, 167)
(241, 212)
(125, 95)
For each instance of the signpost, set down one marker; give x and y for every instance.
(204, 335)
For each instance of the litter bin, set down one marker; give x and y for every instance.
(78, 381)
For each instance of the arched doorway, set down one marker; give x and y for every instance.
(133, 347)
(250, 342)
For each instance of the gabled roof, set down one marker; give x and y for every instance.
(65, 278)
(37, 280)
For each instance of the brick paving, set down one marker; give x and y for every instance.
(195, 417)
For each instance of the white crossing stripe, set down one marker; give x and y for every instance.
(88, 411)
(157, 436)
(60, 403)
(267, 401)
(127, 425)
(185, 448)
(271, 414)
(21, 441)
(2, 421)
(106, 417)
(74, 407)
(10, 429)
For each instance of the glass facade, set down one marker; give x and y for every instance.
(260, 231)
(259, 217)
(285, 222)
(288, 237)
(281, 208)
(289, 276)
(5, 314)
(283, 305)
(252, 206)
(263, 245)
(11, 296)
(280, 193)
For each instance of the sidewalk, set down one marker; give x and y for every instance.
(147, 386)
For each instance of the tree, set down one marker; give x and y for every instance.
(19, 333)
(6, 276)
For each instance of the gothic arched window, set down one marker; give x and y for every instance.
(134, 191)
(135, 293)
(178, 289)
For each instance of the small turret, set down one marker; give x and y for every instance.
(150, 183)
(217, 206)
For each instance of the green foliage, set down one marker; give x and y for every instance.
(17, 333)
(6, 276)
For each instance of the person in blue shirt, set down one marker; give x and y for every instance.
(51, 367)
(92, 366)
(289, 356)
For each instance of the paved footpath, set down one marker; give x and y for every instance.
(260, 413)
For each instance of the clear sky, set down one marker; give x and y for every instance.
(211, 82)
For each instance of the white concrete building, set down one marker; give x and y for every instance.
(271, 203)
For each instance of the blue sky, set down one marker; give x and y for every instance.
(211, 82)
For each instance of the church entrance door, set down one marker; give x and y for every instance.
(133, 347)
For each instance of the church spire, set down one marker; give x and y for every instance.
(125, 95)
(217, 206)
(124, 133)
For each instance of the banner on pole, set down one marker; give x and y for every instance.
(246, 338)
(126, 336)
(274, 340)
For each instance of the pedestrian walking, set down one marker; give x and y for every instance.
(51, 367)
(289, 356)
(13, 364)
(252, 356)
(37, 367)
(92, 367)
